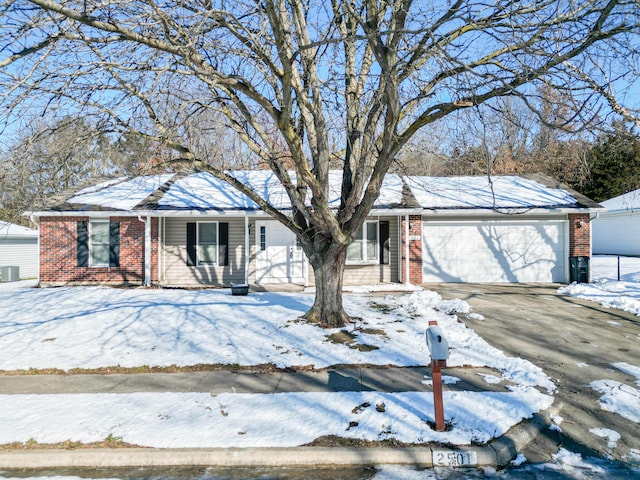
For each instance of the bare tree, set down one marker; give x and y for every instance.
(49, 157)
(344, 83)
(508, 138)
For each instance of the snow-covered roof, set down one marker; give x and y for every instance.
(120, 193)
(628, 202)
(503, 192)
(13, 230)
(201, 191)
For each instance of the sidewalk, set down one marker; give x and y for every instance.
(348, 379)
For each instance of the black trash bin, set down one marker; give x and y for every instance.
(579, 269)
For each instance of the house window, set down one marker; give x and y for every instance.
(207, 243)
(99, 243)
(263, 238)
(202, 238)
(364, 248)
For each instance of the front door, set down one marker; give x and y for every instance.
(279, 257)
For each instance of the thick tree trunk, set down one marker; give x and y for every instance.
(328, 269)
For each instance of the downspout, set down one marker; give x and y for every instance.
(407, 266)
(591, 219)
(147, 250)
(246, 249)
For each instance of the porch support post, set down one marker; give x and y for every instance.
(246, 248)
(407, 266)
(147, 252)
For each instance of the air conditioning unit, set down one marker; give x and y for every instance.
(9, 274)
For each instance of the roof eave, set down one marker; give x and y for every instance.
(142, 213)
(500, 211)
(376, 211)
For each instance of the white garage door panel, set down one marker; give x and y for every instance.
(519, 252)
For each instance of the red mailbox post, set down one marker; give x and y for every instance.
(439, 350)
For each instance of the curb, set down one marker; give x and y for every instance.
(516, 439)
(246, 457)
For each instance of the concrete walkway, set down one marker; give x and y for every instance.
(228, 381)
(575, 342)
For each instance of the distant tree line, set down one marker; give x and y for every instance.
(600, 160)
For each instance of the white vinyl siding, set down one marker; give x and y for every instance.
(616, 234)
(174, 268)
(20, 252)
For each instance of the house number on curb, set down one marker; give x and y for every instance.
(454, 458)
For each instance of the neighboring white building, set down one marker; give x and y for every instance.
(19, 247)
(617, 231)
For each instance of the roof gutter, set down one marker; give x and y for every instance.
(141, 213)
(376, 211)
(195, 213)
(483, 212)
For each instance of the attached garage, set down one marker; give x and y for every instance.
(483, 251)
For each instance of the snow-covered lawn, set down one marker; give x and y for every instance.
(182, 420)
(92, 327)
(606, 289)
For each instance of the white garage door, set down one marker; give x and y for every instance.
(483, 252)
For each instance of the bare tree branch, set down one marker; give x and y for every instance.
(305, 85)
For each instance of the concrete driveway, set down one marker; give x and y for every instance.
(575, 342)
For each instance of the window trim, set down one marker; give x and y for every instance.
(92, 262)
(363, 238)
(263, 238)
(216, 245)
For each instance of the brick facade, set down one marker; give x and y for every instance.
(579, 235)
(59, 265)
(58, 253)
(415, 250)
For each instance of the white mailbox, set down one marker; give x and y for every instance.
(437, 343)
